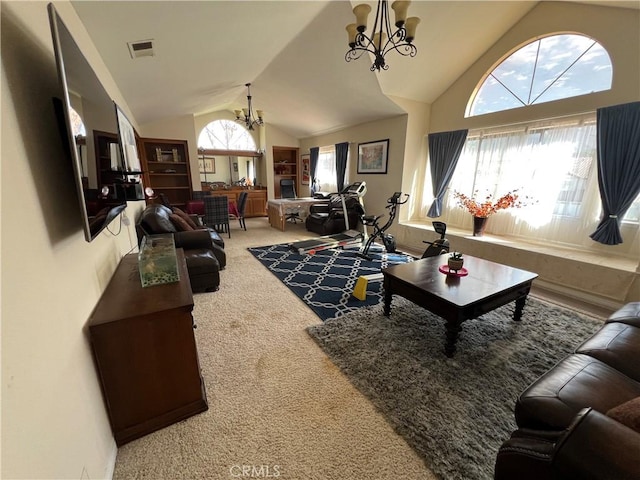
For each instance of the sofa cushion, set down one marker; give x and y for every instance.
(155, 220)
(627, 413)
(618, 345)
(185, 217)
(576, 382)
(180, 223)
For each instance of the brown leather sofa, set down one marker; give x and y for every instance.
(203, 248)
(581, 419)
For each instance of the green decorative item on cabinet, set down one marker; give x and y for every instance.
(157, 260)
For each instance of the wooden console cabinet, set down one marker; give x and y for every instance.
(145, 352)
(256, 203)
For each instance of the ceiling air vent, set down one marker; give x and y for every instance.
(142, 48)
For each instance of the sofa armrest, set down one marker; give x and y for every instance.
(193, 239)
(629, 314)
(598, 447)
(593, 447)
(527, 456)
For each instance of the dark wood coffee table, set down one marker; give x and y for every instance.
(488, 286)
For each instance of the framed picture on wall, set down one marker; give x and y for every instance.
(207, 164)
(373, 156)
(306, 166)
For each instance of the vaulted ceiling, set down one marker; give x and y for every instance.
(291, 51)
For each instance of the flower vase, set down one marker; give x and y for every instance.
(478, 226)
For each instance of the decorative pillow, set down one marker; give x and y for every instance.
(185, 217)
(180, 223)
(627, 413)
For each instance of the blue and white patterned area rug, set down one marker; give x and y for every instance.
(325, 280)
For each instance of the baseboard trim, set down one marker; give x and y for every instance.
(111, 462)
(590, 302)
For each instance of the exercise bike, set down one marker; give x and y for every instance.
(387, 239)
(439, 246)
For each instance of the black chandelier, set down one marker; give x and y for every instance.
(245, 116)
(382, 39)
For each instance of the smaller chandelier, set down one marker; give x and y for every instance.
(246, 116)
(382, 39)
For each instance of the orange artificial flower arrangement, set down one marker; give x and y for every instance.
(487, 207)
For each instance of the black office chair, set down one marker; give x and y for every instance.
(288, 190)
(242, 203)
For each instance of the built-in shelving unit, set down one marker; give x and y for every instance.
(166, 167)
(285, 165)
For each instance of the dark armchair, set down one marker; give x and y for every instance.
(203, 247)
(593, 447)
(327, 218)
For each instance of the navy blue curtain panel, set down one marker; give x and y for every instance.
(314, 153)
(444, 151)
(342, 150)
(618, 142)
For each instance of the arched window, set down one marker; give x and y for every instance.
(226, 135)
(547, 69)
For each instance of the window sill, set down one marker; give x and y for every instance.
(616, 262)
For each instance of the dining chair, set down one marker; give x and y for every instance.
(242, 203)
(216, 213)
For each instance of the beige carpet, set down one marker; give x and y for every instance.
(276, 403)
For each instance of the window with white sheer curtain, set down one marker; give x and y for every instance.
(326, 169)
(553, 163)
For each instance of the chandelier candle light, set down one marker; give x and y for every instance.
(245, 116)
(382, 39)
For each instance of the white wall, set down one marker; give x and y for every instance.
(414, 167)
(54, 423)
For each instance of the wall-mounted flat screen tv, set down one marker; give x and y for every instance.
(88, 121)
